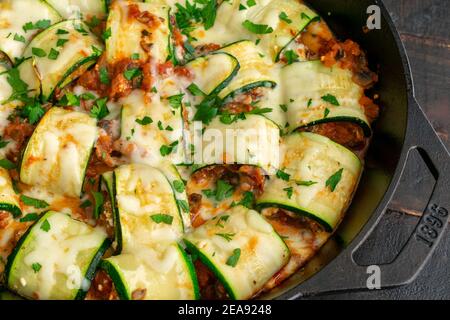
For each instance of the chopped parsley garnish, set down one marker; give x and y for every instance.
(326, 112)
(333, 181)
(33, 111)
(289, 191)
(283, 175)
(132, 73)
(251, 3)
(40, 24)
(36, 266)
(160, 126)
(257, 28)
(87, 96)
(98, 203)
(247, 201)
(45, 226)
(191, 14)
(3, 143)
(61, 31)
(305, 183)
(30, 217)
(195, 90)
(61, 42)
(178, 185)
(309, 103)
(107, 34)
(223, 190)
(167, 149)
(305, 16)
(227, 236)
(175, 101)
(234, 258)
(70, 99)
(283, 16)
(242, 7)
(39, 204)
(80, 29)
(284, 107)
(227, 118)
(330, 99)
(18, 37)
(38, 52)
(162, 218)
(135, 56)
(104, 75)
(222, 219)
(53, 54)
(291, 56)
(144, 121)
(207, 109)
(6, 164)
(100, 109)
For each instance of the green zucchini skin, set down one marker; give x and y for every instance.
(90, 273)
(110, 185)
(14, 210)
(119, 285)
(247, 88)
(317, 201)
(364, 126)
(193, 274)
(204, 259)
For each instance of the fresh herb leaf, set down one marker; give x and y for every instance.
(326, 112)
(104, 75)
(330, 99)
(305, 16)
(86, 203)
(178, 185)
(223, 190)
(227, 236)
(6, 164)
(222, 219)
(167, 149)
(87, 96)
(305, 183)
(309, 103)
(289, 191)
(209, 193)
(257, 28)
(283, 175)
(33, 112)
(3, 143)
(284, 107)
(209, 13)
(39, 204)
(53, 54)
(100, 109)
(36, 266)
(70, 99)
(38, 52)
(247, 201)
(195, 90)
(135, 56)
(61, 31)
(234, 258)
(18, 37)
(132, 73)
(242, 7)
(40, 24)
(333, 181)
(251, 3)
(175, 100)
(144, 121)
(162, 218)
(61, 42)
(291, 56)
(45, 225)
(208, 109)
(283, 16)
(30, 217)
(106, 34)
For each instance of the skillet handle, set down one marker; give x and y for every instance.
(343, 273)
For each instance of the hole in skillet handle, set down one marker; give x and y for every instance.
(344, 273)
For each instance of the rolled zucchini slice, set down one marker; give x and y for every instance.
(317, 179)
(213, 72)
(253, 140)
(145, 207)
(241, 248)
(153, 273)
(255, 70)
(154, 126)
(61, 53)
(129, 36)
(26, 73)
(58, 152)
(55, 259)
(9, 201)
(16, 16)
(317, 94)
(80, 9)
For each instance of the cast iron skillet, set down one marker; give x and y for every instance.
(404, 148)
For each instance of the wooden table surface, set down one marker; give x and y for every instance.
(424, 26)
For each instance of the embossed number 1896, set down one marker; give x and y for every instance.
(432, 222)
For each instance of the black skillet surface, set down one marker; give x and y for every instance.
(407, 170)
